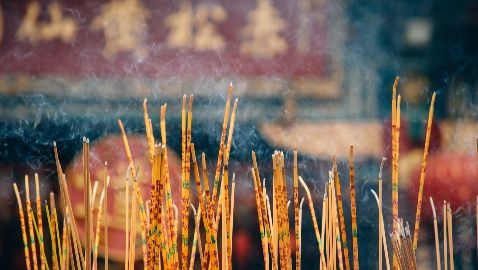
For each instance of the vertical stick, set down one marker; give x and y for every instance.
(184, 188)
(296, 212)
(450, 236)
(30, 223)
(437, 243)
(87, 195)
(126, 257)
(39, 222)
(106, 183)
(384, 239)
(299, 237)
(422, 173)
(395, 150)
(231, 222)
(353, 209)
(314, 221)
(380, 215)
(22, 223)
(445, 238)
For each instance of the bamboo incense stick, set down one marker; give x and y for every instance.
(51, 229)
(197, 219)
(54, 218)
(126, 262)
(184, 188)
(382, 226)
(259, 208)
(476, 221)
(299, 236)
(87, 202)
(381, 233)
(422, 172)
(106, 184)
(445, 238)
(39, 218)
(296, 212)
(65, 197)
(437, 243)
(222, 147)
(30, 223)
(231, 222)
(98, 228)
(40, 239)
(314, 221)
(353, 210)
(450, 236)
(23, 227)
(395, 149)
(340, 209)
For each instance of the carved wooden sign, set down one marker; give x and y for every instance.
(164, 38)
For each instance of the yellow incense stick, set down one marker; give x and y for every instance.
(382, 226)
(450, 236)
(435, 227)
(314, 221)
(23, 227)
(445, 238)
(395, 149)
(30, 224)
(39, 218)
(422, 172)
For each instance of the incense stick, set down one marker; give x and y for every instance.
(299, 237)
(395, 150)
(51, 229)
(40, 239)
(381, 233)
(197, 220)
(422, 173)
(339, 205)
(296, 212)
(30, 224)
(382, 226)
(450, 236)
(23, 227)
(435, 227)
(39, 222)
(445, 238)
(314, 221)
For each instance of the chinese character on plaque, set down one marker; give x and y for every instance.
(262, 35)
(194, 27)
(57, 27)
(123, 23)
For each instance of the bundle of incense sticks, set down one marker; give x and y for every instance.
(166, 246)
(402, 246)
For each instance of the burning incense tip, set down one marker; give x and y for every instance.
(84, 139)
(54, 144)
(381, 167)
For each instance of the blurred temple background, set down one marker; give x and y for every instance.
(311, 75)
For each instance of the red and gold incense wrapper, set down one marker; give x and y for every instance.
(395, 149)
(341, 217)
(22, 224)
(422, 173)
(30, 224)
(353, 210)
(314, 221)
